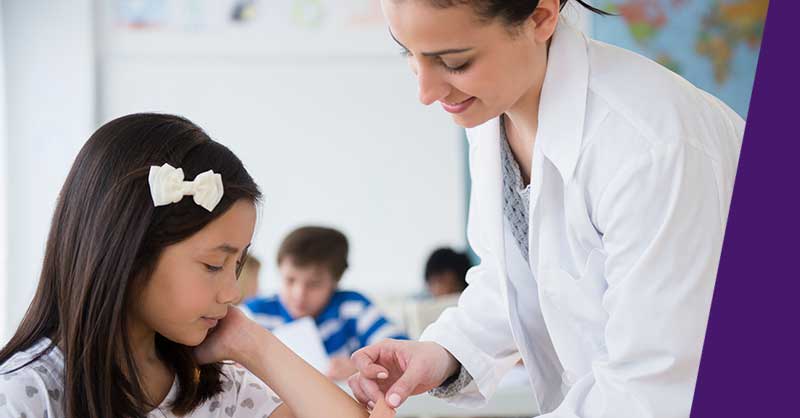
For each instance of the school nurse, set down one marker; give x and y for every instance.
(601, 185)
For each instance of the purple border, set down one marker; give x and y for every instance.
(750, 358)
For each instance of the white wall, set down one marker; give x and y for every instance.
(50, 94)
(3, 187)
(373, 162)
(327, 121)
(337, 139)
(341, 142)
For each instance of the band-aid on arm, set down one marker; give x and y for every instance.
(382, 410)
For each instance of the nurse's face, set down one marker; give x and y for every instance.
(476, 69)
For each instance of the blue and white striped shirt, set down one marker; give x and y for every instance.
(349, 321)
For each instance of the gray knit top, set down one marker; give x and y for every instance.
(516, 199)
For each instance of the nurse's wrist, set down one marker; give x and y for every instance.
(453, 367)
(453, 385)
(451, 378)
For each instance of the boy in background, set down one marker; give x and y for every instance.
(311, 261)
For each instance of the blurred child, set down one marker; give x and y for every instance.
(311, 261)
(446, 272)
(132, 314)
(248, 278)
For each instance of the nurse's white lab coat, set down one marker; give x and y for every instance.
(633, 169)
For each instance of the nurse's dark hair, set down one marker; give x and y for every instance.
(105, 239)
(512, 12)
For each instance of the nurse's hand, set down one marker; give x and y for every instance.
(341, 368)
(399, 369)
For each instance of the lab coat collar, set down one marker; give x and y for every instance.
(562, 104)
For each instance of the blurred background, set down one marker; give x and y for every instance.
(313, 96)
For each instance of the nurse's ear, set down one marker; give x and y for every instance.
(542, 22)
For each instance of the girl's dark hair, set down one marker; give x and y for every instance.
(105, 239)
(512, 12)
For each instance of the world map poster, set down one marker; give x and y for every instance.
(712, 43)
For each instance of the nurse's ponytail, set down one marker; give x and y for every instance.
(585, 5)
(512, 12)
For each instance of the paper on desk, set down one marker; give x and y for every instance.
(302, 337)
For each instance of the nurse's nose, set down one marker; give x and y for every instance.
(431, 85)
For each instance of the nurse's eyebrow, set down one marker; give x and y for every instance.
(434, 53)
(227, 248)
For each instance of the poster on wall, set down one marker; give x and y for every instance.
(712, 43)
(315, 27)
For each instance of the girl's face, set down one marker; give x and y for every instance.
(476, 70)
(195, 280)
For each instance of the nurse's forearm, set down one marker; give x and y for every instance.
(307, 392)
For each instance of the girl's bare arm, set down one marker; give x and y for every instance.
(306, 392)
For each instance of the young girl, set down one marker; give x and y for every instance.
(132, 315)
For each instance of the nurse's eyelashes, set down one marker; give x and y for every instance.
(457, 69)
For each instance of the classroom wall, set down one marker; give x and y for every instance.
(50, 93)
(384, 169)
(3, 187)
(333, 135)
(338, 141)
(325, 118)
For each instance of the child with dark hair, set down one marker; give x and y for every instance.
(446, 272)
(312, 260)
(132, 316)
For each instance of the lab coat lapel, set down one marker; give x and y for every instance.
(562, 113)
(487, 183)
(487, 186)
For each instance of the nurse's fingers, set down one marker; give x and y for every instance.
(358, 392)
(365, 390)
(366, 361)
(412, 378)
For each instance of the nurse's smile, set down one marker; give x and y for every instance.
(458, 107)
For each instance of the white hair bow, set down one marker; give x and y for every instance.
(167, 186)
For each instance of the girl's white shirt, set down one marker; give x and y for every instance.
(37, 390)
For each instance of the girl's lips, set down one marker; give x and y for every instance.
(458, 107)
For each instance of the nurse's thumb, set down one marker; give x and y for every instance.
(403, 387)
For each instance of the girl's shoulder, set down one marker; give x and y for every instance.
(241, 384)
(243, 395)
(31, 386)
